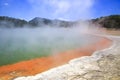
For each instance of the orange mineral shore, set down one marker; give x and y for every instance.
(35, 66)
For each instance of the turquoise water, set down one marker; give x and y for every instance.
(24, 44)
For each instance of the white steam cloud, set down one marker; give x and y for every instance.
(63, 9)
(27, 43)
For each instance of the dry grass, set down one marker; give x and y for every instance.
(113, 32)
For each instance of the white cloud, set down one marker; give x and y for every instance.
(61, 6)
(6, 4)
(64, 9)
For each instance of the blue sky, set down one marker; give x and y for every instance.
(59, 9)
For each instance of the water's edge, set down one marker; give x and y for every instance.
(77, 66)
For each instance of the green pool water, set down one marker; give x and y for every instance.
(24, 44)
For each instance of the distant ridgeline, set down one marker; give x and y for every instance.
(8, 22)
(110, 22)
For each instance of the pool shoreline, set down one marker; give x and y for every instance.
(35, 66)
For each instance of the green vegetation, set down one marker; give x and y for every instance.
(9, 22)
(109, 22)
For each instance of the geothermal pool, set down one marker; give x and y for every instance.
(24, 44)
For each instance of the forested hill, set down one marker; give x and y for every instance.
(110, 22)
(9, 22)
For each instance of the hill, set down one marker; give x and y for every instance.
(109, 22)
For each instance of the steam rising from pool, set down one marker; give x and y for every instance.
(28, 43)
